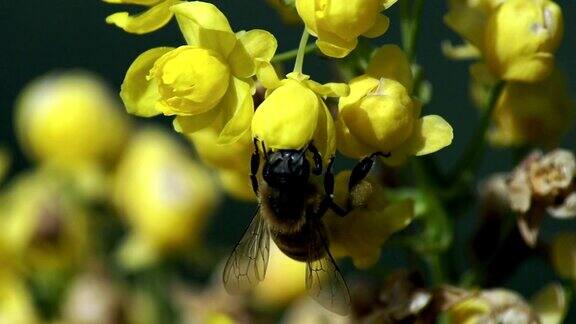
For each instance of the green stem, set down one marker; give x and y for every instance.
(410, 24)
(285, 56)
(437, 275)
(301, 52)
(469, 159)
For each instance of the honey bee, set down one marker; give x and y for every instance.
(290, 213)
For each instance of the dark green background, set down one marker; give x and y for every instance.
(39, 36)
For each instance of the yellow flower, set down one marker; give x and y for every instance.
(533, 113)
(232, 161)
(284, 280)
(16, 304)
(165, 197)
(521, 39)
(564, 255)
(372, 220)
(44, 226)
(338, 24)
(380, 116)
(69, 118)
(293, 114)
(155, 17)
(468, 18)
(207, 79)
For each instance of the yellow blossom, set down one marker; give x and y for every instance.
(293, 114)
(155, 17)
(231, 161)
(521, 39)
(380, 116)
(165, 197)
(44, 226)
(284, 280)
(533, 113)
(70, 118)
(338, 24)
(16, 303)
(361, 234)
(207, 79)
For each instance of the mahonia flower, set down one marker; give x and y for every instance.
(338, 24)
(44, 226)
(521, 39)
(533, 113)
(165, 197)
(231, 161)
(379, 115)
(516, 38)
(207, 79)
(372, 219)
(70, 118)
(154, 18)
(293, 114)
(548, 306)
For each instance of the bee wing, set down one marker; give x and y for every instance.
(247, 264)
(325, 283)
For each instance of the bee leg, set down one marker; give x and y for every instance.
(362, 169)
(254, 166)
(317, 159)
(329, 190)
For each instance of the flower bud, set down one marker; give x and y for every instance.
(521, 38)
(70, 118)
(338, 24)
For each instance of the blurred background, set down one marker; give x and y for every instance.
(50, 37)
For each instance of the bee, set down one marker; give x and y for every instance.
(290, 213)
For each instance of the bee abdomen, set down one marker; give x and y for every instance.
(301, 246)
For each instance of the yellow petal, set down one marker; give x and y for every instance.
(465, 51)
(191, 124)
(203, 25)
(336, 50)
(266, 74)
(259, 43)
(329, 89)
(237, 111)
(390, 62)
(325, 137)
(467, 22)
(388, 3)
(348, 144)
(148, 21)
(139, 94)
(431, 134)
(307, 11)
(380, 27)
(550, 304)
(530, 69)
(288, 117)
(359, 88)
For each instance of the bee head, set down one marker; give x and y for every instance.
(286, 168)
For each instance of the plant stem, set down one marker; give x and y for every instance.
(288, 55)
(469, 159)
(301, 52)
(410, 25)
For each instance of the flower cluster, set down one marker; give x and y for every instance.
(516, 41)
